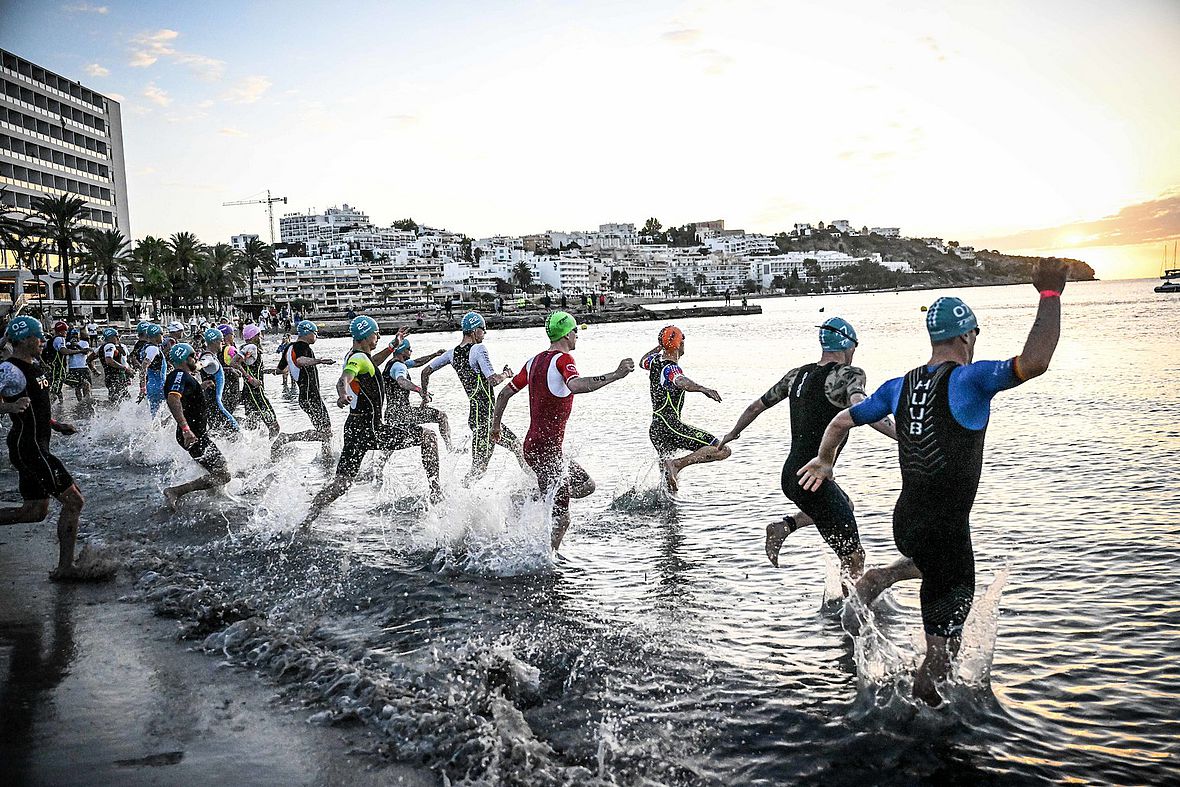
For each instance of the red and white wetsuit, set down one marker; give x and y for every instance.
(546, 376)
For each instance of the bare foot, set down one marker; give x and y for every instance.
(670, 472)
(171, 498)
(925, 689)
(75, 574)
(870, 585)
(776, 534)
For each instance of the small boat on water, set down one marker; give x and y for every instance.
(1171, 276)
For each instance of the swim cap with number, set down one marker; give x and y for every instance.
(362, 328)
(472, 321)
(212, 335)
(949, 317)
(306, 327)
(23, 327)
(180, 353)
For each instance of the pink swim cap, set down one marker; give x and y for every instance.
(250, 331)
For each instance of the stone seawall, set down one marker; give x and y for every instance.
(533, 318)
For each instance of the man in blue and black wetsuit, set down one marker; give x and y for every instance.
(942, 410)
(817, 392)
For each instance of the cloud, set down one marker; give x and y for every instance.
(1143, 222)
(930, 43)
(157, 95)
(95, 70)
(149, 48)
(116, 97)
(232, 132)
(86, 8)
(685, 37)
(247, 91)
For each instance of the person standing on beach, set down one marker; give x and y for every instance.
(474, 368)
(187, 404)
(667, 384)
(942, 410)
(817, 393)
(361, 389)
(25, 391)
(552, 380)
(300, 362)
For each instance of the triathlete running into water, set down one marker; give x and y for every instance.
(25, 391)
(667, 384)
(154, 366)
(361, 390)
(398, 410)
(552, 380)
(219, 417)
(116, 369)
(479, 378)
(189, 408)
(54, 359)
(257, 406)
(300, 362)
(942, 410)
(817, 392)
(77, 352)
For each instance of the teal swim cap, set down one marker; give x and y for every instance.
(949, 317)
(139, 329)
(306, 327)
(472, 321)
(23, 327)
(362, 328)
(212, 335)
(559, 325)
(180, 353)
(152, 330)
(403, 347)
(837, 334)
(110, 333)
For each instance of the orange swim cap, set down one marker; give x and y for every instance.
(671, 338)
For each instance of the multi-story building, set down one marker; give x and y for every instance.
(312, 228)
(841, 225)
(886, 232)
(59, 137)
(239, 242)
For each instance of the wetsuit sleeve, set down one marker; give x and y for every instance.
(12, 380)
(359, 365)
(521, 380)
(883, 402)
(780, 390)
(973, 386)
(646, 361)
(399, 370)
(301, 350)
(670, 374)
(480, 360)
(58, 342)
(108, 350)
(441, 360)
(176, 384)
(842, 383)
(566, 367)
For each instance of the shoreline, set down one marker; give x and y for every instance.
(98, 688)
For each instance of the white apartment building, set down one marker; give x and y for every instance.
(965, 252)
(335, 284)
(766, 268)
(59, 137)
(741, 244)
(841, 225)
(239, 241)
(310, 227)
(616, 236)
(886, 232)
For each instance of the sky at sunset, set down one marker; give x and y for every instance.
(1023, 126)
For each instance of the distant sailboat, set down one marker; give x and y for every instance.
(1171, 276)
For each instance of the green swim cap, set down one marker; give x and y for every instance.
(559, 325)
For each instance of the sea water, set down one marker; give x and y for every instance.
(661, 646)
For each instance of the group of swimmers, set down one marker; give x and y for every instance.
(938, 413)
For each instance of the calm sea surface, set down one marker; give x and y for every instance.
(662, 647)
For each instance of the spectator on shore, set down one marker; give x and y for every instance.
(564, 300)
(743, 303)
(419, 318)
(727, 296)
(350, 314)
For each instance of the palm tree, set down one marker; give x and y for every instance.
(257, 255)
(106, 255)
(149, 262)
(185, 253)
(63, 216)
(700, 279)
(219, 275)
(522, 275)
(27, 243)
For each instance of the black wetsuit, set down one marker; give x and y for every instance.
(307, 381)
(811, 412)
(231, 394)
(41, 475)
(254, 400)
(668, 433)
(187, 388)
(364, 428)
(481, 403)
(941, 461)
(115, 377)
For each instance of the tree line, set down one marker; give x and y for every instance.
(178, 274)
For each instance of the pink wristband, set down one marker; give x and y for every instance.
(1050, 294)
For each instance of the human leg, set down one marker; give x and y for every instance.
(209, 457)
(670, 435)
(67, 532)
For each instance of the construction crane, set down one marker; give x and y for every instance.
(270, 209)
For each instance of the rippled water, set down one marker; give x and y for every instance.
(662, 647)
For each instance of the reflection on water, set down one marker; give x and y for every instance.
(661, 646)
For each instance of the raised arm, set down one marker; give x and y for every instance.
(580, 385)
(1049, 277)
(684, 383)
